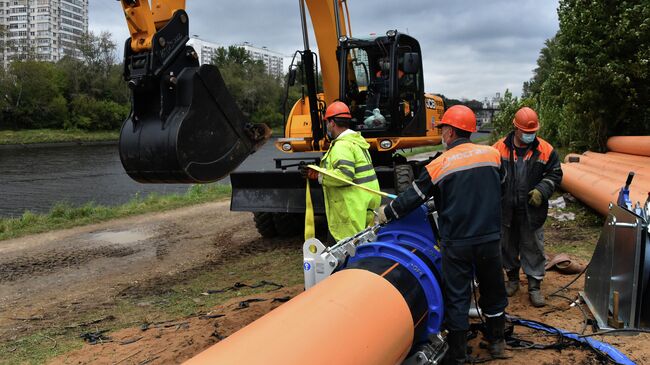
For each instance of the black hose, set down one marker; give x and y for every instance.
(572, 281)
(616, 330)
(577, 302)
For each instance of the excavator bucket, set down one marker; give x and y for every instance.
(184, 126)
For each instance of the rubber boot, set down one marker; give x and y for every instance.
(457, 353)
(496, 337)
(512, 285)
(535, 292)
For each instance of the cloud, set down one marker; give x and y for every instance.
(471, 49)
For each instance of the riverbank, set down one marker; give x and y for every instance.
(64, 215)
(55, 136)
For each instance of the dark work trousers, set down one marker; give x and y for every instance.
(459, 266)
(523, 247)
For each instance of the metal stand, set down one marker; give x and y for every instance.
(616, 283)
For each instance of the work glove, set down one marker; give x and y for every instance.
(535, 198)
(381, 215)
(306, 172)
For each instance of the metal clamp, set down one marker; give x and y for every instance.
(614, 223)
(320, 261)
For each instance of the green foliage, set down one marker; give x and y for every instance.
(502, 122)
(90, 114)
(86, 93)
(33, 95)
(29, 136)
(258, 94)
(593, 77)
(472, 104)
(65, 215)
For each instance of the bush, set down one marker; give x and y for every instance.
(91, 114)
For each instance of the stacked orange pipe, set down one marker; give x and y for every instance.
(631, 145)
(597, 178)
(341, 312)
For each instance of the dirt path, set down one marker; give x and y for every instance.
(52, 277)
(181, 339)
(49, 280)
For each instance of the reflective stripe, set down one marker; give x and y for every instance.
(344, 163)
(493, 315)
(393, 210)
(347, 172)
(550, 182)
(366, 179)
(466, 167)
(364, 168)
(417, 190)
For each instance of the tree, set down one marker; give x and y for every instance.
(258, 94)
(593, 79)
(472, 104)
(508, 106)
(34, 97)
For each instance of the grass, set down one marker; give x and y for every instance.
(64, 215)
(280, 265)
(576, 238)
(32, 136)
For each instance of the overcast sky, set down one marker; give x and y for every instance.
(471, 49)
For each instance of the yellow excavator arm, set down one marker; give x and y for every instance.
(144, 20)
(184, 125)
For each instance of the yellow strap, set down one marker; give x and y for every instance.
(373, 191)
(310, 230)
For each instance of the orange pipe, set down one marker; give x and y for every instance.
(604, 163)
(596, 191)
(354, 317)
(639, 161)
(615, 172)
(633, 145)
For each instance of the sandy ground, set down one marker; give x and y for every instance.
(48, 279)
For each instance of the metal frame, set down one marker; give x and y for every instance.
(617, 275)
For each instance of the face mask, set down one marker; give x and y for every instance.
(330, 135)
(528, 138)
(444, 142)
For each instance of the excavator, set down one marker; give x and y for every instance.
(374, 298)
(185, 126)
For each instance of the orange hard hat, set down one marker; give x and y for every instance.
(526, 119)
(459, 116)
(338, 109)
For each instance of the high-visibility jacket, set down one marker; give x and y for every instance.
(349, 210)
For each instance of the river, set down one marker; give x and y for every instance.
(36, 178)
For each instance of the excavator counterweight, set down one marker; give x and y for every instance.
(184, 126)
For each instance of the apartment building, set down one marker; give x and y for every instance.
(205, 50)
(273, 61)
(45, 29)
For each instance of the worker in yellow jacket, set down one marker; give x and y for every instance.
(349, 210)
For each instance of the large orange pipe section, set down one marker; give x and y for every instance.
(633, 145)
(616, 171)
(606, 162)
(595, 190)
(354, 317)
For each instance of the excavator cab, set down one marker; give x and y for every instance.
(184, 126)
(382, 81)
